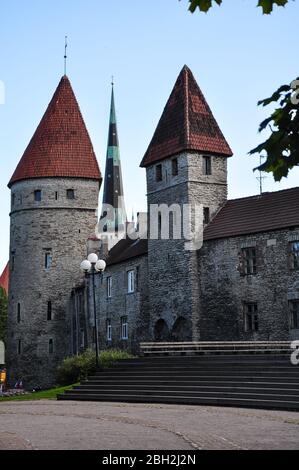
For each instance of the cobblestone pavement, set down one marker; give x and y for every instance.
(88, 425)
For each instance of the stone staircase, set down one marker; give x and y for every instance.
(255, 375)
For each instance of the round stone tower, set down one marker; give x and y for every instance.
(54, 200)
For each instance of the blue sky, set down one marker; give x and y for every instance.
(237, 55)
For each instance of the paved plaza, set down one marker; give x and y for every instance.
(100, 426)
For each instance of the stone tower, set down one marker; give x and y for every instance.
(113, 186)
(54, 198)
(186, 164)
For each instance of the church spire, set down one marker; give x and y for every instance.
(113, 186)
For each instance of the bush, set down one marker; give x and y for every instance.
(77, 368)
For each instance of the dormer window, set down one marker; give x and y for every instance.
(37, 195)
(207, 165)
(159, 172)
(70, 194)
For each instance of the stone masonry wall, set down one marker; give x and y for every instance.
(132, 305)
(224, 290)
(173, 271)
(58, 226)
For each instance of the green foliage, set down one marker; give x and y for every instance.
(205, 5)
(43, 395)
(109, 357)
(77, 368)
(281, 149)
(3, 314)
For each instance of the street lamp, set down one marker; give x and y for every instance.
(93, 265)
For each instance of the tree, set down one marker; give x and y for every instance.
(281, 149)
(3, 314)
(205, 5)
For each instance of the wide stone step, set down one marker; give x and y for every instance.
(171, 399)
(249, 382)
(190, 389)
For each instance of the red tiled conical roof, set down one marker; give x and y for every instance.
(187, 123)
(4, 278)
(60, 146)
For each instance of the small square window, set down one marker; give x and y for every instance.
(174, 167)
(248, 261)
(51, 346)
(109, 287)
(124, 328)
(38, 195)
(48, 260)
(251, 317)
(19, 313)
(49, 311)
(206, 215)
(294, 314)
(131, 281)
(294, 255)
(159, 172)
(109, 330)
(70, 194)
(207, 165)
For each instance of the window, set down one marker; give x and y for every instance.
(174, 167)
(38, 195)
(207, 165)
(56, 195)
(159, 172)
(294, 255)
(19, 346)
(294, 314)
(13, 199)
(51, 346)
(48, 260)
(49, 311)
(250, 317)
(131, 281)
(70, 194)
(206, 215)
(124, 327)
(109, 330)
(19, 313)
(248, 260)
(109, 287)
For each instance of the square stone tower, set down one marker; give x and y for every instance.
(186, 168)
(54, 198)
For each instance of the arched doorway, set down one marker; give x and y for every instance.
(181, 330)
(161, 331)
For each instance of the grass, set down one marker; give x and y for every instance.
(43, 395)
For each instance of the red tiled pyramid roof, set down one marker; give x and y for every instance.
(249, 215)
(60, 146)
(4, 278)
(187, 123)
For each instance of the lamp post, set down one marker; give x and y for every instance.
(93, 265)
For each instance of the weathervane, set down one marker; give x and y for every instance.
(65, 55)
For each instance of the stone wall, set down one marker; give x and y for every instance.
(60, 227)
(121, 303)
(223, 290)
(173, 271)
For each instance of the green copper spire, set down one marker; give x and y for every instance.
(113, 186)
